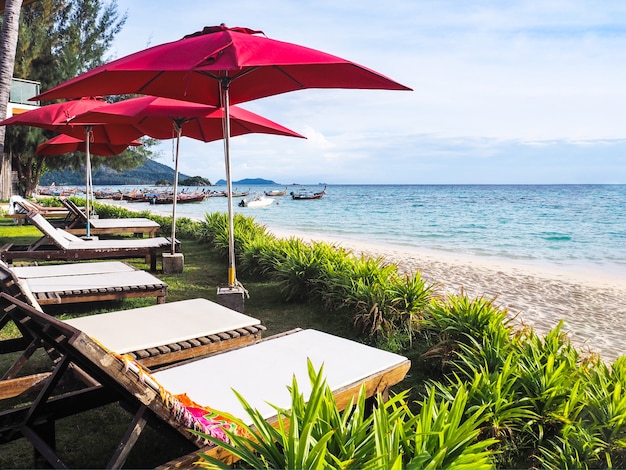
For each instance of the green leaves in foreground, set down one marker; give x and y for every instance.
(315, 434)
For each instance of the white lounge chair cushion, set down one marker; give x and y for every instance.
(71, 269)
(148, 327)
(91, 281)
(67, 241)
(123, 223)
(262, 372)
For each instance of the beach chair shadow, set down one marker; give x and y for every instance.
(261, 372)
(77, 223)
(57, 244)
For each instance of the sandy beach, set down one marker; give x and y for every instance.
(592, 303)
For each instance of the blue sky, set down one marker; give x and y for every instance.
(504, 92)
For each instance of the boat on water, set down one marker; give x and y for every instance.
(303, 194)
(240, 194)
(54, 190)
(256, 201)
(134, 195)
(182, 198)
(276, 192)
(216, 194)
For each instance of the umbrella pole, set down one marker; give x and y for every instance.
(178, 128)
(88, 174)
(229, 184)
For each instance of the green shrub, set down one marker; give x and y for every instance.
(298, 266)
(314, 433)
(461, 320)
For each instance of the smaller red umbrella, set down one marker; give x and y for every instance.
(165, 118)
(62, 144)
(56, 117)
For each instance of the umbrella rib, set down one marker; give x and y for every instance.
(289, 76)
(149, 82)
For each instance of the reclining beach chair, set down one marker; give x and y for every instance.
(261, 372)
(84, 282)
(57, 244)
(20, 207)
(154, 336)
(77, 223)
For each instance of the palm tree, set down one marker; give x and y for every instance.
(8, 45)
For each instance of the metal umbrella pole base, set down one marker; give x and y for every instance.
(232, 297)
(173, 263)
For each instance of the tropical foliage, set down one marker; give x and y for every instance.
(493, 395)
(314, 433)
(57, 40)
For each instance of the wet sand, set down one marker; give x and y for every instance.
(591, 302)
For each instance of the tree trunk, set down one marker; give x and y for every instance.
(8, 46)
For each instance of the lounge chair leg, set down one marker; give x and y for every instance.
(152, 259)
(19, 362)
(130, 438)
(43, 439)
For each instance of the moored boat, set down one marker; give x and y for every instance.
(182, 198)
(303, 194)
(275, 192)
(256, 201)
(240, 194)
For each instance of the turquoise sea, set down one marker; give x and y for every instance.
(553, 224)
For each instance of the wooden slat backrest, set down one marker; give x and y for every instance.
(48, 230)
(93, 359)
(74, 209)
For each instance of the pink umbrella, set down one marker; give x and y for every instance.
(162, 118)
(62, 144)
(219, 66)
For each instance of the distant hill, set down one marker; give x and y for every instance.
(248, 181)
(149, 173)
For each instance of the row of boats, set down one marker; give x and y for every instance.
(166, 196)
(266, 200)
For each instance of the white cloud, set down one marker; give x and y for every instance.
(494, 83)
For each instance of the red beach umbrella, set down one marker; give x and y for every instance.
(156, 117)
(62, 144)
(220, 66)
(56, 117)
(163, 118)
(196, 67)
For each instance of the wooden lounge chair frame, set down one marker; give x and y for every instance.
(203, 336)
(83, 282)
(110, 379)
(25, 206)
(57, 244)
(136, 225)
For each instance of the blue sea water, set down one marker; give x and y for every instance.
(554, 224)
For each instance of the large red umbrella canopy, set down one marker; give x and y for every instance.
(57, 117)
(157, 117)
(62, 144)
(220, 66)
(193, 67)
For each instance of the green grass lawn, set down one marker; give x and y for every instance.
(203, 274)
